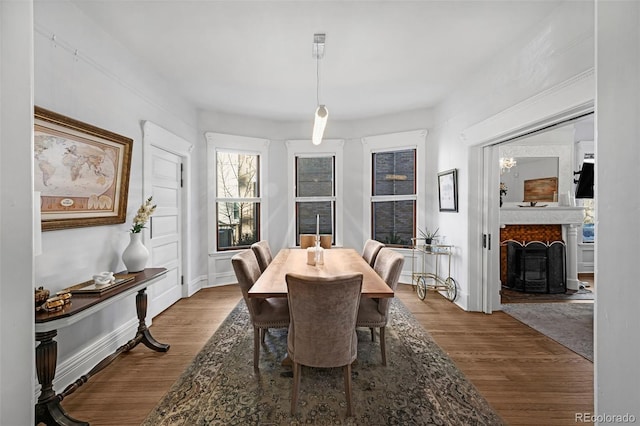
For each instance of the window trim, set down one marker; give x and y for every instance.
(304, 148)
(414, 139)
(219, 142)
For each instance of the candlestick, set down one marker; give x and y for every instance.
(317, 227)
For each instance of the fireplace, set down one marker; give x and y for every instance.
(536, 267)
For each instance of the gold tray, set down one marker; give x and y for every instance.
(90, 288)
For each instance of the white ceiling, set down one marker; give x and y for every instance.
(255, 57)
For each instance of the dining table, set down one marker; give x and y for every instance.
(336, 262)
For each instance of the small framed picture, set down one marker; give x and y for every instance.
(448, 190)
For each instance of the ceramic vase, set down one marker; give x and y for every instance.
(135, 256)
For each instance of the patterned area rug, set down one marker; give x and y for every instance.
(570, 324)
(419, 386)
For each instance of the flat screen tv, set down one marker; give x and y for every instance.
(584, 187)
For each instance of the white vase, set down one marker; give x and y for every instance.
(135, 256)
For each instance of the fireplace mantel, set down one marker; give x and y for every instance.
(552, 215)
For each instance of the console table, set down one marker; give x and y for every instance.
(48, 408)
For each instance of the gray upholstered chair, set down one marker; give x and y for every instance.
(322, 332)
(263, 254)
(266, 313)
(374, 313)
(370, 251)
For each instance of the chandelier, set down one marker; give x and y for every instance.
(506, 163)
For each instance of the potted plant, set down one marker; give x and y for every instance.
(428, 236)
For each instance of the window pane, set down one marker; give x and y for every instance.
(314, 177)
(394, 173)
(237, 175)
(237, 224)
(393, 222)
(307, 217)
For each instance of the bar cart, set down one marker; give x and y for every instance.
(424, 280)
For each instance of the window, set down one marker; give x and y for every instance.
(237, 199)
(315, 195)
(393, 201)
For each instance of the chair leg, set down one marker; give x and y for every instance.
(373, 335)
(347, 388)
(296, 387)
(383, 346)
(263, 332)
(256, 347)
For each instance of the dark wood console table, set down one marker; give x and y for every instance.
(48, 408)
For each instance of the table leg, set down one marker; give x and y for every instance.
(48, 408)
(143, 332)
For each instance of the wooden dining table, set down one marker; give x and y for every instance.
(337, 261)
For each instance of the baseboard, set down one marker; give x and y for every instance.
(196, 285)
(84, 360)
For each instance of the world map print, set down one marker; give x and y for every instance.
(71, 168)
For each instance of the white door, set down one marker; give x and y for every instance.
(491, 231)
(165, 241)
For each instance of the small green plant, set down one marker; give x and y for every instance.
(429, 235)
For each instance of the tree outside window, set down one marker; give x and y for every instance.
(237, 199)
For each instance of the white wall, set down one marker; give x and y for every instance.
(87, 75)
(16, 186)
(560, 48)
(617, 317)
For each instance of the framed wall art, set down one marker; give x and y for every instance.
(448, 190)
(81, 171)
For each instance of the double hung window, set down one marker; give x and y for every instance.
(315, 195)
(393, 198)
(237, 199)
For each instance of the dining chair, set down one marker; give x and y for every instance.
(265, 313)
(322, 331)
(370, 251)
(373, 312)
(263, 254)
(307, 240)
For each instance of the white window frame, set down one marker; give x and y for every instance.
(392, 142)
(305, 149)
(219, 142)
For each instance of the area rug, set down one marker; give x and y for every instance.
(570, 324)
(508, 295)
(419, 386)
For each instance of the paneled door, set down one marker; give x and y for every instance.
(165, 228)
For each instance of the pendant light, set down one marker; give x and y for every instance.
(321, 115)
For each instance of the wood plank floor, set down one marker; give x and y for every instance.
(527, 378)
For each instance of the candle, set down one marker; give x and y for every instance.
(317, 227)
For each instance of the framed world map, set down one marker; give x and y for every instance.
(81, 171)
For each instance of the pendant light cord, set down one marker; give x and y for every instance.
(318, 80)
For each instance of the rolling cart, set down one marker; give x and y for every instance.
(424, 280)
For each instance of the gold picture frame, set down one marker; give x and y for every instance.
(81, 171)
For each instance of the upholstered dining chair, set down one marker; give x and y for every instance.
(372, 312)
(322, 331)
(263, 254)
(266, 313)
(309, 240)
(370, 251)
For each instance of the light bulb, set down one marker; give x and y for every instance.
(319, 123)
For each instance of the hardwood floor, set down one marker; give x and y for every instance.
(528, 378)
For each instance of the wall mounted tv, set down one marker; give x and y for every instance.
(584, 187)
